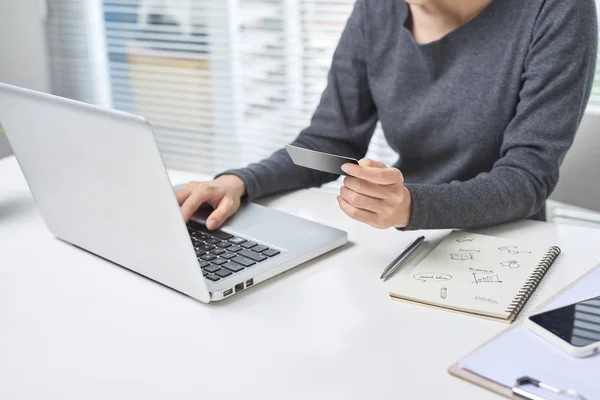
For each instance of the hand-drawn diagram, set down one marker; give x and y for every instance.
(444, 293)
(462, 256)
(432, 277)
(511, 264)
(477, 279)
(513, 250)
(464, 239)
(482, 270)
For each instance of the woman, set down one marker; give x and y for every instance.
(481, 99)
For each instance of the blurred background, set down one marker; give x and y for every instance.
(224, 82)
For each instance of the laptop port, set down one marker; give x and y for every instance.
(249, 282)
(239, 287)
(228, 292)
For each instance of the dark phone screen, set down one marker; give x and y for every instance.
(577, 324)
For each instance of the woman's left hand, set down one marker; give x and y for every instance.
(375, 194)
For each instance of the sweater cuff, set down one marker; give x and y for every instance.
(250, 182)
(418, 208)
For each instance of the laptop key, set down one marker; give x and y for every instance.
(227, 255)
(219, 261)
(233, 267)
(221, 235)
(212, 269)
(217, 252)
(212, 277)
(212, 241)
(243, 261)
(224, 245)
(194, 226)
(223, 273)
(251, 255)
(237, 240)
(270, 252)
(204, 273)
(259, 248)
(234, 249)
(208, 257)
(206, 247)
(248, 245)
(203, 264)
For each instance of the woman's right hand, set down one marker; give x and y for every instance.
(223, 194)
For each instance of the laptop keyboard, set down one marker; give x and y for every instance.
(221, 254)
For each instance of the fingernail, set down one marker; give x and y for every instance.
(345, 168)
(211, 224)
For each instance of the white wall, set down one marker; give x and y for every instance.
(22, 48)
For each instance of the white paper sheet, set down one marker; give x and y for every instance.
(522, 353)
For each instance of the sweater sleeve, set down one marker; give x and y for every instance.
(556, 86)
(342, 124)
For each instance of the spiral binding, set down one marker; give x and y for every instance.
(531, 284)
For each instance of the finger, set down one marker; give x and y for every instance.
(226, 208)
(365, 187)
(367, 162)
(360, 200)
(183, 193)
(357, 214)
(382, 176)
(194, 201)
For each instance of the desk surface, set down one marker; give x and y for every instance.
(74, 326)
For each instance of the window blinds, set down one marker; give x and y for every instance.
(322, 24)
(75, 40)
(225, 83)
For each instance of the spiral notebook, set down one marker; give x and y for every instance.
(477, 274)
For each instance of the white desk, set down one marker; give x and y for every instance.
(73, 326)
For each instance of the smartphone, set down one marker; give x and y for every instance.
(319, 161)
(574, 328)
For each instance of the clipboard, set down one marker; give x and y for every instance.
(517, 391)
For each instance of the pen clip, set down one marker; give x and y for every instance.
(523, 394)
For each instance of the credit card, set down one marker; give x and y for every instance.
(319, 161)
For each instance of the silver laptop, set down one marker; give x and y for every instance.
(100, 184)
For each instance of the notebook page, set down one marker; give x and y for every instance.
(473, 273)
(521, 353)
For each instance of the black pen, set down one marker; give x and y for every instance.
(394, 265)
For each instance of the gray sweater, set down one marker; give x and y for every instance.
(481, 119)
